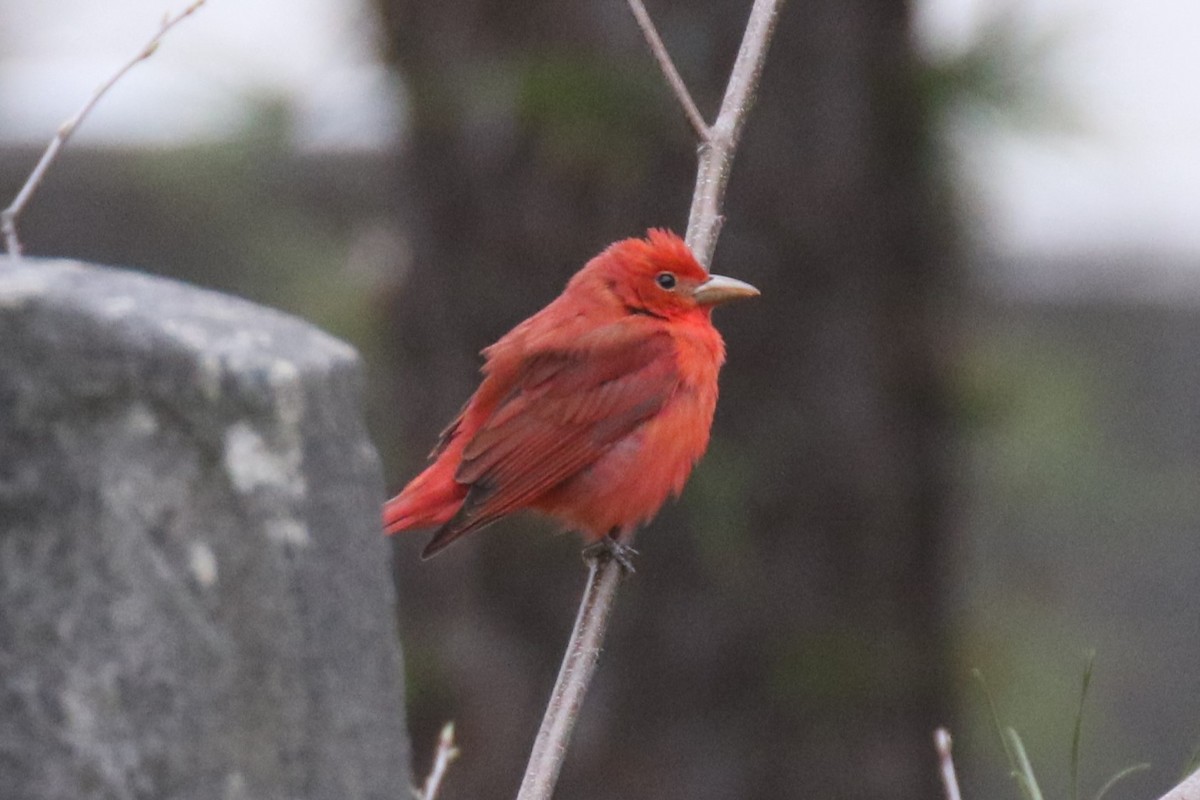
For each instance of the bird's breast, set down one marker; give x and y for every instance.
(628, 484)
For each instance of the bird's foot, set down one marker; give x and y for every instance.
(609, 548)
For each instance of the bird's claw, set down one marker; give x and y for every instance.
(611, 549)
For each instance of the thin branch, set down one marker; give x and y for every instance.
(10, 215)
(694, 117)
(447, 751)
(605, 570)
(1189, 789)
(716, 155)
(574, 677)
(941, 741)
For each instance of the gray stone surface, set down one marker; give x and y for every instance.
(194, 595)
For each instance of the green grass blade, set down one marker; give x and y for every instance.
(1078, 734)
(987, 694)
(1027, 789)
(1115, 779)
(1024, 770)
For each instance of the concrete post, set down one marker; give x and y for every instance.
(195, 598)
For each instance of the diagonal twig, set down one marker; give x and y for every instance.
(447, 751)
(716, 155)
(659, 49)
(10, 215)
(574, 677)
(604, 576)
(941, 741)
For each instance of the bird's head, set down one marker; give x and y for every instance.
(658, 276)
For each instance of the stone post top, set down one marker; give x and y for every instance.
(166, 312)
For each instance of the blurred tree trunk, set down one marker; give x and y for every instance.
(782, 637)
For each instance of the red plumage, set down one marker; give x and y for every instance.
(593, 410)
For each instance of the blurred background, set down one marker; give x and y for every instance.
(959, 430)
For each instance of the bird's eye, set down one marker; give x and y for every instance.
(666, 280)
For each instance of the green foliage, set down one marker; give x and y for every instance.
(235, 216)
(715, 502)
(1001, 74)
(830, 668)
(593, 115)
(1036, 402)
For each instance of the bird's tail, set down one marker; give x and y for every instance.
(431, 498)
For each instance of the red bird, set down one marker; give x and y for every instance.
(591, 411)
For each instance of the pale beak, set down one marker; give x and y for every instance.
(719, 289)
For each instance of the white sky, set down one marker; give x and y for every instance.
(1131, 71)
(211, 70)
(1130, 179)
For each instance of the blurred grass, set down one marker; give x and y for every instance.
(1020, 765)
(1078, 537)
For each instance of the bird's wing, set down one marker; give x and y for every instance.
(566, 407)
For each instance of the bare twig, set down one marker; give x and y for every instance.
(447, 751)
(10, 215)
(669, 72)
(1189, 789)
(604, 576)
(716, 155)
(941, 741)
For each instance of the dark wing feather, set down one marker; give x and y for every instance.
(566, 408)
